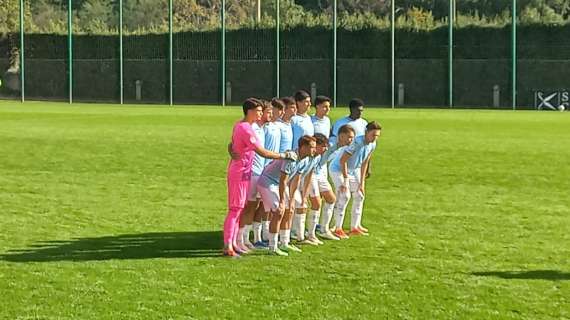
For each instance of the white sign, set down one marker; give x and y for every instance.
(551, 99)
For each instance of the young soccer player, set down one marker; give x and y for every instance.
(246, 219)
(347, 172)
(322, 188)
(245, 144)
(354, 119)
(307, 177)
(275, 188)
(286, 141)
(301, 123)
(272, 131)
(320, 120)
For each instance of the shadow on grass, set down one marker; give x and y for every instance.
(529, 275)
(122, 247)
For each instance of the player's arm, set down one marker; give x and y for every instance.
(289, 155)
(363, 170)
(306, 184)
(282, 185)
(293, 186)
(233, 155)
(344, 170)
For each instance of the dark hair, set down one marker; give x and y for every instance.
(301, 95)
(355, 103)
(306, 140)
(250, 103)
(322, 99)
(288, 101)
(346, 129)
(321, 139)
(373, 125)
(265, 104)
(278, 104)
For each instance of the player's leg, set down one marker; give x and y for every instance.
(259, 218)
(270, 198)
(357, 205)
(329, 200)
(285, 232)
(314, 212)
(237, 195)
(246, 219)
(342, 199)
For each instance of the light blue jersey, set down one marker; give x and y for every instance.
(322, 125)
(324, 158)
(286, 141)
(272, 173)
(258, 161)
(359, 126)
(302, 126)
(359, 152)
(272, 138)
(310, 165)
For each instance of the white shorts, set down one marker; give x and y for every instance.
(319, 184)
(353, 180)
(253, 193)
(297, 200)
(270, 197)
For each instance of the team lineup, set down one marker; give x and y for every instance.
(278, 174)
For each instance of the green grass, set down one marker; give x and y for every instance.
(112, 212)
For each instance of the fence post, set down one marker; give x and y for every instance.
(514, 54)
(393, 49)
(277, 45)
(335, 16)
(450, 54)
(223, 53)
(70, 48)
(22, 77)
(121, 80)
(170, 60)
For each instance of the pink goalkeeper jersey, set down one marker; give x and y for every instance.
(244, 142)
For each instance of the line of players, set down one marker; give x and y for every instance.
(277, 193)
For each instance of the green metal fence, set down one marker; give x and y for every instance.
(397, 76)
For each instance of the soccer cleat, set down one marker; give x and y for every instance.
(363, 229)
(231, 253)
(308, 242)
(248, 245)
(315, 240)
(290, 247)
(241, 249)
(329, 236)
(341, 234)
(357, 232)
(261, 245)
(294, 248)
(278, 252)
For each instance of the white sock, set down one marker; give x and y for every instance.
(246, 234)
(357, 205)
(257, 231)
(295, 224)
(340, 207)
(300, 226)
(265, 230)
(313, 220)
(285, 236)
(273, 238)
(327, 216)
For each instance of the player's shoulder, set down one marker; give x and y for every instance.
(342, 121)
(242, 127)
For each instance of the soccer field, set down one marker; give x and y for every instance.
(110, 212)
